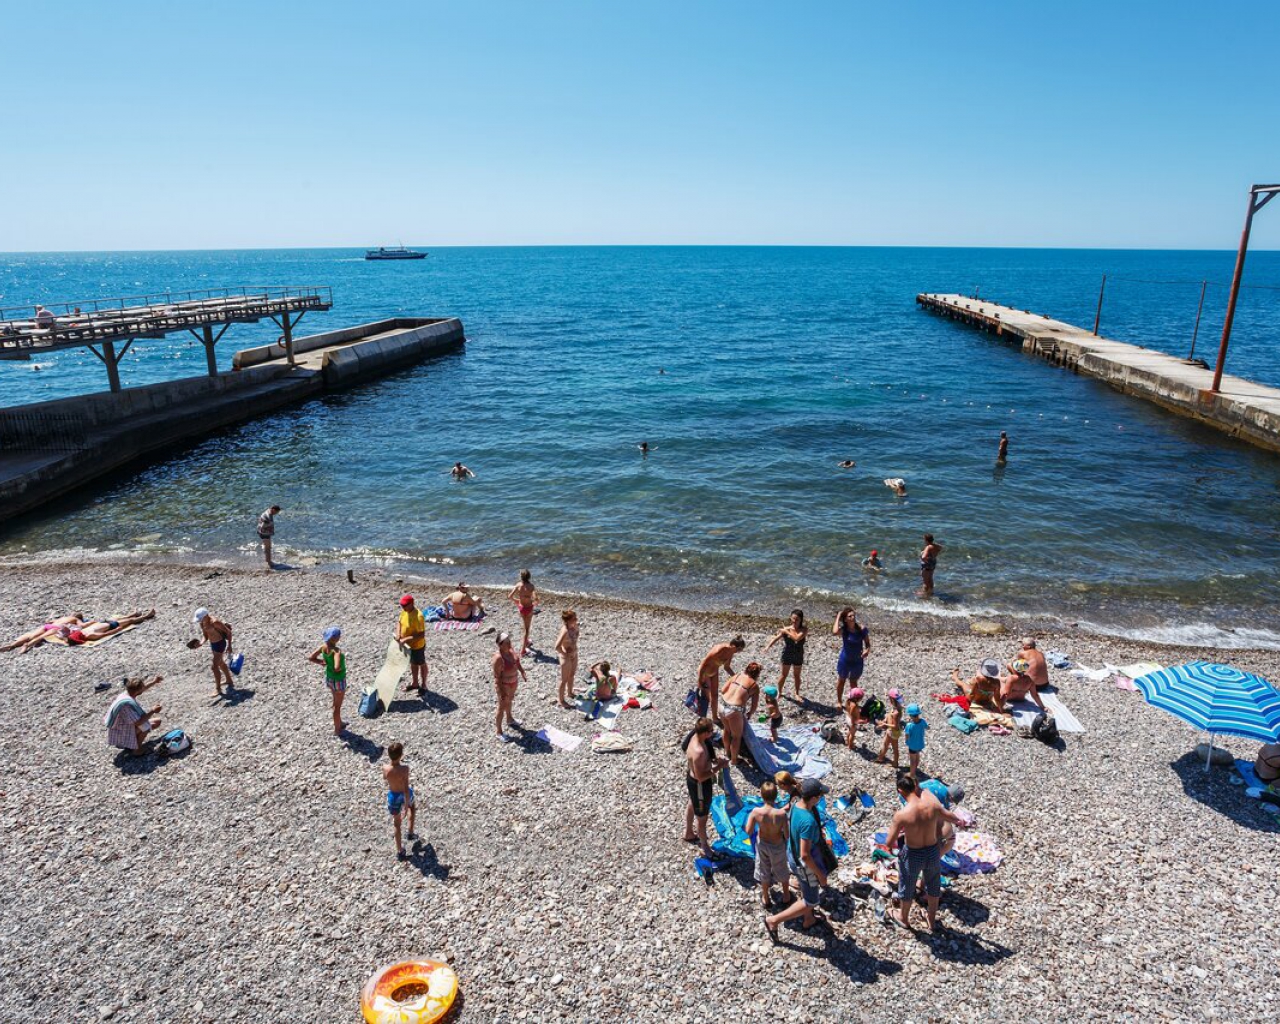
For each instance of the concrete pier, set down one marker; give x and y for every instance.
(1241, 408)
(50, 448)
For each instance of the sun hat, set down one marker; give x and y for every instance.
(200, 615)
(771, 691)
(857, 693)
(1021, 665)
(332, 633)
(894, 694)
(812, 787)
(991, 668)
(406, 600)
(913, 710)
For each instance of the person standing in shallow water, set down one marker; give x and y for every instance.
(793, 636)
(267, 532)
(1003, 454)
(928, 563)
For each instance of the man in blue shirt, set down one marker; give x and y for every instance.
(807, 855)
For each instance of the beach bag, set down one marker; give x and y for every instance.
(370, 705)
(1044, 728)
(175, 741)
(873, 709)
(236, 664)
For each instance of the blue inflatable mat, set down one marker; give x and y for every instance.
(735, 842)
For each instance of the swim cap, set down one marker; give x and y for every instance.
(771, 691)
(913, 710)
(332, 633)
(956, 793)
(857, 693)
(874, 552)
(406, 600)
(895, 694)
(201, 614)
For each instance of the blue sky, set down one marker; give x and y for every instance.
(168, 125)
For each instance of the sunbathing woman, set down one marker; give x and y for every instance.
(38, 636)
(104, 628)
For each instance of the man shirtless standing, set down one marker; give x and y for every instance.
(719, 657)
(701, 766)
(919, 824)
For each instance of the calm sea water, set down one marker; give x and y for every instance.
(778, 363)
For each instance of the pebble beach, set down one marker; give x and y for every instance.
(254, 878)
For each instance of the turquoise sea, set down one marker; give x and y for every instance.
(751, 372)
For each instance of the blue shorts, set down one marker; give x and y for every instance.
(396, 802)
(810, 890)
(218, 646)
(849, 668)
(912, 863)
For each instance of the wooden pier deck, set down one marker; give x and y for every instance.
(1241, 408)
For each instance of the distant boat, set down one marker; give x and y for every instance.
(394, 252)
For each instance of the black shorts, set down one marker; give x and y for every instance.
(417, 655)
(700, 794)
(796, 659)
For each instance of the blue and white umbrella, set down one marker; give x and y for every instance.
(1216, 698)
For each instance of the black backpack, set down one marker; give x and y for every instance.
(1044, 728)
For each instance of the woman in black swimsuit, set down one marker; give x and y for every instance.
(928, 562)
(793, 636)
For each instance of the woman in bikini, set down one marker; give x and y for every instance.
(738, 700)
(507, 673)
(218, 635)
(793, 636)
(103, 628)
(567, 648)
(526, 598)
(928, 562)
(719, 657)
(39, 635)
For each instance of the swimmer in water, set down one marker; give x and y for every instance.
(1003, 454)
(872, 561)
(847, 464)
(645, 449)
(897, 485)
(461, 472)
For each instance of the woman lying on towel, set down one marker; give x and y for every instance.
(102, 629)
(39, 635)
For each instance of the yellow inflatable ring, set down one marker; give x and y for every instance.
(411, 992)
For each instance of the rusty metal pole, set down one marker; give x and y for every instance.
(1259, 196)
(113, 364)
(210, 357)
(288, 337)
(1199, 310)
(1098, 318)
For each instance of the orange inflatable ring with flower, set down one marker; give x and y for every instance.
(411, 992)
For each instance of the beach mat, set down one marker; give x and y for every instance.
(393, 669)
(455, 625)
(558, 738)
(798, 751)
(59, 641)
(609, 711)
(734, 841)
(1025, 711)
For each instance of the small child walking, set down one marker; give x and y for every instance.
(773, 711)
(853, 713)
(335, 673)
(892, 728)
(399, 793)
(915, 738)
(768, 828)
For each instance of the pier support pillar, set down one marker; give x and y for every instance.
(288, 337)
(113, 364)
(210, 356)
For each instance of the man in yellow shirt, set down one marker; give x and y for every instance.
(411, 632)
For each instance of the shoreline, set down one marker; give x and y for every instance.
(954, 620)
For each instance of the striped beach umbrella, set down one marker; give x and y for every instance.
(1216, 698)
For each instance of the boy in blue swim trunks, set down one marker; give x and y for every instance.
(399, 793)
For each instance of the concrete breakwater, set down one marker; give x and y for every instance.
(1241, 407)
(49, 448)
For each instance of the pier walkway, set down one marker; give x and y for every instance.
(97, 324)
(1241, 408)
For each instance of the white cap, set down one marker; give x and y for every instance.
(201, 614)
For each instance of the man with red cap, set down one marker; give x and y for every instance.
(411, 632)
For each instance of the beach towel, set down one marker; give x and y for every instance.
(732, 828)
(965, 725)
(558, 738)
(61, 641)
(798, 751)
(1137, 669)
(958, 699)
(977, 853)
(125, 701)
(1093, 675)
(1057, 659)
(1254, 786)
(1025, 711)
(454, 625)
(608, 717)
(985, 717)
(610, 743)
(433, 613)
(1124, 683)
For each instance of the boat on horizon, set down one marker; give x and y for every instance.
(394, 252)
